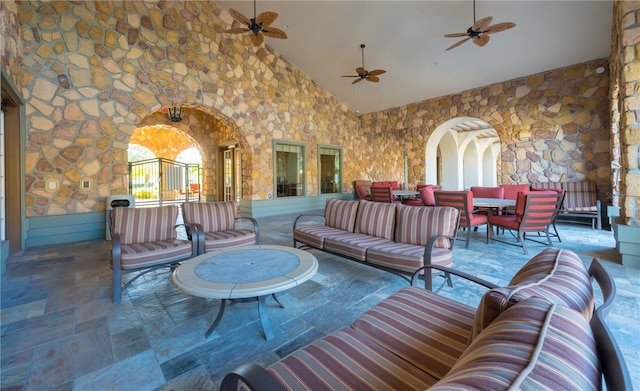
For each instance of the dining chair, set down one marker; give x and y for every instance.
(463, 201)
(534, 212)
(486, 192)
(426, 197)
(383, 194)
(552, 190)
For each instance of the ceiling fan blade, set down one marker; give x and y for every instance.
(455, 45)
(455, 35)
(350, 76)
(274, 33)
(358, 80)
(481, 24)
(236, 30)
(266, 18)
(360, 71)
(482, 40)
(496, 28)
(257, 39)
(239, 17)
(377, 72)
(374, 79)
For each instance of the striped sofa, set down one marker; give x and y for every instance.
(541, 332)
(580, 200)
(394, 237)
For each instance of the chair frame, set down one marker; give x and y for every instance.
(382, 194)
(530, 219)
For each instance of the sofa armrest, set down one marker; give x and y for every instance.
(428, 248)
(195, 233)
(466, 276)
(254, 222)
(302, 217)
(253, 376)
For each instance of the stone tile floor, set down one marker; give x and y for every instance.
(60, 330)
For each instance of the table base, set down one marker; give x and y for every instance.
(262, 313)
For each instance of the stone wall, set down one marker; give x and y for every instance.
(93, 71)
(10, 42)
(553, 126)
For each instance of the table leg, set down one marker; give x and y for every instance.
(264, 320)
(218, 318)
(276, 299)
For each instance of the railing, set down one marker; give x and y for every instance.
(163, 181)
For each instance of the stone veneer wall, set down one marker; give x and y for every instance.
(10, 42)
(93, 71)
(553, 126)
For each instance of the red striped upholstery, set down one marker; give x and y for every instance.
(376, 219)
(581, 196)
(213, 216)
(340, 214)
(228, 238)
(415, 225)
(407, 257)
(534, 345)
(347, 360)
(353, 245)
(558, 275)
(315, 234)
(138, 255)
(141, 225)
(429, 331)
(547, 185)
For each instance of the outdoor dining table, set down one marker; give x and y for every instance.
(404, 195)
(494, 203)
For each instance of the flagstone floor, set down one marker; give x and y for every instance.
(60, 330)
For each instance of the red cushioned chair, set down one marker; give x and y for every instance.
(363, 194)
(463, 201)
(426, 197)
(383, 194)
(486, 192)
(534, 212)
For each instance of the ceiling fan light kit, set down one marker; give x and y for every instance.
(479, 32)
(259, 26)
(363, 74)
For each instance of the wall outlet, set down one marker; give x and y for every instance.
(269, 196)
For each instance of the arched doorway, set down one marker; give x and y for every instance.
(461, 153)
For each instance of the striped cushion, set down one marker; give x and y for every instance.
(137, 255)
(428, 330)
(581, 196)
(558, 276)
(534, 345)
(547, 185)
(415, 225)
(228, 238)
(376, 219)
(213, 216)
(347, 360)
(315, 234)
(407, 257)
(340, 214)
(142, 225)
(353, 245)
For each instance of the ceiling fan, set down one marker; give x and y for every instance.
(363, 74)
(258, 26)
(480, 30)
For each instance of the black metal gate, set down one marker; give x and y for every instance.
(162, 181)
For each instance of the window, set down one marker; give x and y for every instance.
(290, 170)
(330, 159)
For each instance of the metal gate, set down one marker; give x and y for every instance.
(162, 181)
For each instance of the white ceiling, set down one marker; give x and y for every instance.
(406, 39)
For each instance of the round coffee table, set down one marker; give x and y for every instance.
(247, 272)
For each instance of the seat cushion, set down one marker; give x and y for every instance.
(228, 238)
(407, 257)
(428, 330)
(347, 360)
(559, 276)
(353, 245)
(212, 216)
(137, 255)
(315, 234)
(534, 345)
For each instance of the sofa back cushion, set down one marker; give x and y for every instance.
(582, 196)
(376, 219)
(144, 225)
(416, 224)
(534, 345)
(559, 276)
(340, 214)
(213, 216)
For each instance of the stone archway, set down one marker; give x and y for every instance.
(469, 150)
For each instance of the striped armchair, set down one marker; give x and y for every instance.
(145, 239)
(214, 225)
